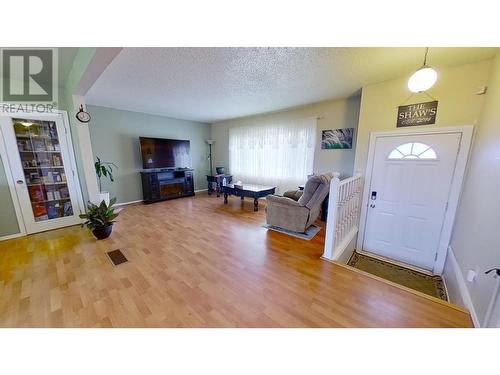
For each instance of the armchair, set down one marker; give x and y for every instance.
(298, 215)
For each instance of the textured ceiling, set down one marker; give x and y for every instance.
(214, 84)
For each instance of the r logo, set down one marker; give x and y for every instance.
(29, 75)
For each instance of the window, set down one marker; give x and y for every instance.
(278, 154)
(413, 150)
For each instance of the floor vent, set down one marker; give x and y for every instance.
(117, 257)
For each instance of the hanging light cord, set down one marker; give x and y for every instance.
(425, 57)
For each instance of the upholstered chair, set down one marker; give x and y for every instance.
(298, 214)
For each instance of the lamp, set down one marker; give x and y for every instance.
(210, 142)
(424, 78)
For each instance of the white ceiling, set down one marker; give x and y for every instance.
(214, 84)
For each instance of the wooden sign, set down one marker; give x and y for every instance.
(417, 114)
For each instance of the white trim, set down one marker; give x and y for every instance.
(462, 287)
(127, 203)
(72, 159)
(11, 236)
(86, 154)
(455, 189)
(141, 200)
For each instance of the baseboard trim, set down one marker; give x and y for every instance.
(462, 287)
(11, 236)
(199, 191)
(127, 203)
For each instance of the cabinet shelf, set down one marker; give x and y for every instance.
(48, 183)
(45, 167)
(51, 200)
(33, 136)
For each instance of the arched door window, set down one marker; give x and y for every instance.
(413, 150)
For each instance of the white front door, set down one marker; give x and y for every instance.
(408, 196)
(40, 163)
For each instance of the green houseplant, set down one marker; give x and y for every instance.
(104, 169)
(100, 218)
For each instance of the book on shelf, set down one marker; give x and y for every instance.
(39, 145)
(56, 160)
(33, 178)
(50, 195)
(68, 209)
(56, 176)
(49, 146)
(36, 193)
(64, 192)
(23, 145)
(48, 178)
(40, 212)
(57, 195)
(53, 210)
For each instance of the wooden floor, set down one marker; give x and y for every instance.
(194, 262)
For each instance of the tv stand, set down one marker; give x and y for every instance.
(166, 183)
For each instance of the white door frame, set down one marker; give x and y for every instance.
(8, 169)
(455, 189)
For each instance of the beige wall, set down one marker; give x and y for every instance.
(476, 236)
(333, 114)
(455, 90)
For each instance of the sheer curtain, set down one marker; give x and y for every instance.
(279, 154)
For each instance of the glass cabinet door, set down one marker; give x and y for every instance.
(39, 147)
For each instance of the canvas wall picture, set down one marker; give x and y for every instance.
(337, 139)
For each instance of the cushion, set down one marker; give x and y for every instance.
(311, 186)
(293, 194)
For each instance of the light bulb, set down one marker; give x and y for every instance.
(422, 80)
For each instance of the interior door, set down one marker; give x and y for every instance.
(39, 159)
(409, 190)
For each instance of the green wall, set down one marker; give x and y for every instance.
(115, 138)
(8, 220)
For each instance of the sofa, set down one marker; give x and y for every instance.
(297, 215)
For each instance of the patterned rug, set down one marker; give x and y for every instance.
(308, 235)
(431, 285)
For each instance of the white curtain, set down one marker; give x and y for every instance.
(278, 154)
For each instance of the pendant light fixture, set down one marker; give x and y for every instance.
(424, 78)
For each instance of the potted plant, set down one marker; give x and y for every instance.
(104, 168)
(100, 219)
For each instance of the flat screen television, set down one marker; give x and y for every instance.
(165, 153)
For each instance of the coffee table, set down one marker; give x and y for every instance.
(250, 191)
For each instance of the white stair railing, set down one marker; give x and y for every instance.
(343, 214)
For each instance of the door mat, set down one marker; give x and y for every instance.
(308, 235)
(117, 257)
(431, 285)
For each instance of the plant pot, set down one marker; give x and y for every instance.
(103, 232)
(103, 196)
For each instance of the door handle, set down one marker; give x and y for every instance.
(20, 182)
(497, 271)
